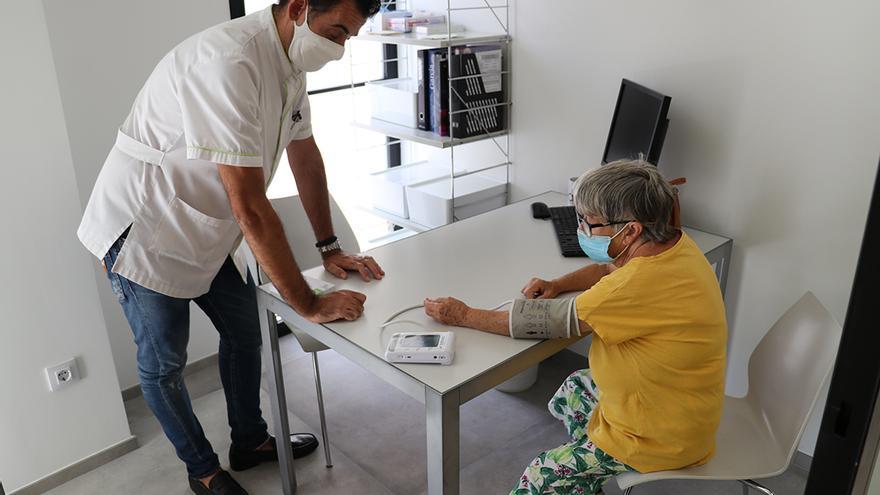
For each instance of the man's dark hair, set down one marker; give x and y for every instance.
(367, 8)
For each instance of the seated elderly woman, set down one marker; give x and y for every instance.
(651, 399)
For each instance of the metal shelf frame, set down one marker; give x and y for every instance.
(501, 13)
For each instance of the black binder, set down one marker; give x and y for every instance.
(438, 91)
(424, 102)
(484, 94)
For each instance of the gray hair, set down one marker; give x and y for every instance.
(628, 190)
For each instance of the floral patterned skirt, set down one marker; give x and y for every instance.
(577, 467)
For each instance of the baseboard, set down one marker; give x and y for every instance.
(131, 393)
(802, 461)
(76, 469)
(193, 367)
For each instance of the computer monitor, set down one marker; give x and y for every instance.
(639, 124)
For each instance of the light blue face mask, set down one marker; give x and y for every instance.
(596, 247)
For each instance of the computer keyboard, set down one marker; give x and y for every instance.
(566, 224)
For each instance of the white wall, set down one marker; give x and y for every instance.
(774, 121)
(48, 299)
(104, 52)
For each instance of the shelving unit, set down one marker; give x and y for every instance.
(450, 40)
(414, 135)
(433, 41)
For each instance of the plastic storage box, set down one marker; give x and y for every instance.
(406, 24)
(388, 187)
(382, 20)
(395, 101)
(430, 203)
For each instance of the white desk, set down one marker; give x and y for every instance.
(482, 260)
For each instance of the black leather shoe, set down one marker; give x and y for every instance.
(221, 484)
(303, 445)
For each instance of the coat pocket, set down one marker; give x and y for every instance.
(190, 236)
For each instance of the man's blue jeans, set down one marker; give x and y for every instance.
(161, 331)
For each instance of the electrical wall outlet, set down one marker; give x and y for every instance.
(62, 375)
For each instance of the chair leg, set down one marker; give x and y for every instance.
(755, 486)
(321, 409)
(628, 491)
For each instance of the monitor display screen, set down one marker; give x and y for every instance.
(638, 124)
(415, 341)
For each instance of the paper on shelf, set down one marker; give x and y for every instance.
(490, 65)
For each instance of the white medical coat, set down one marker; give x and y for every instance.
(227, 95)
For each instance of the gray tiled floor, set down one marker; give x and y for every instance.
(377, 436)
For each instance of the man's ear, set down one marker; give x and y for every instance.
(296, 10)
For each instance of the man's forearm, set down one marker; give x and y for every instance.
(582, 279)
(311, 182)
(264, 233)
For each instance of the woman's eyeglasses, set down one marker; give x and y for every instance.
(590, 226)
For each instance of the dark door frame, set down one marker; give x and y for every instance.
(844, 456)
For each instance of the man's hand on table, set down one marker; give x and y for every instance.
(338, 305)
(345, 304)
(339, 263)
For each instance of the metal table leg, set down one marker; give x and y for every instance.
(443, 451)
(272, 360)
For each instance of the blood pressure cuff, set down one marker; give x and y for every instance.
(543, 319)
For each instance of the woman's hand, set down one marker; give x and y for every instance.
(447, 310)
(339, 263)
(537, 288)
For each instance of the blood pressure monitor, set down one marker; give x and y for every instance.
(421, 347)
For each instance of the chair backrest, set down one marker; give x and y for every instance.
(789, 366)
(300, 236)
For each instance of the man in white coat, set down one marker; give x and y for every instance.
(186, 180)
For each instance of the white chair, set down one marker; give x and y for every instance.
(301, 239)
(759, 433)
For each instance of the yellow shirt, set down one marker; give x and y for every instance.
(658, 359)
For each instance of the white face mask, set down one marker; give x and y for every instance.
(309, 51)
